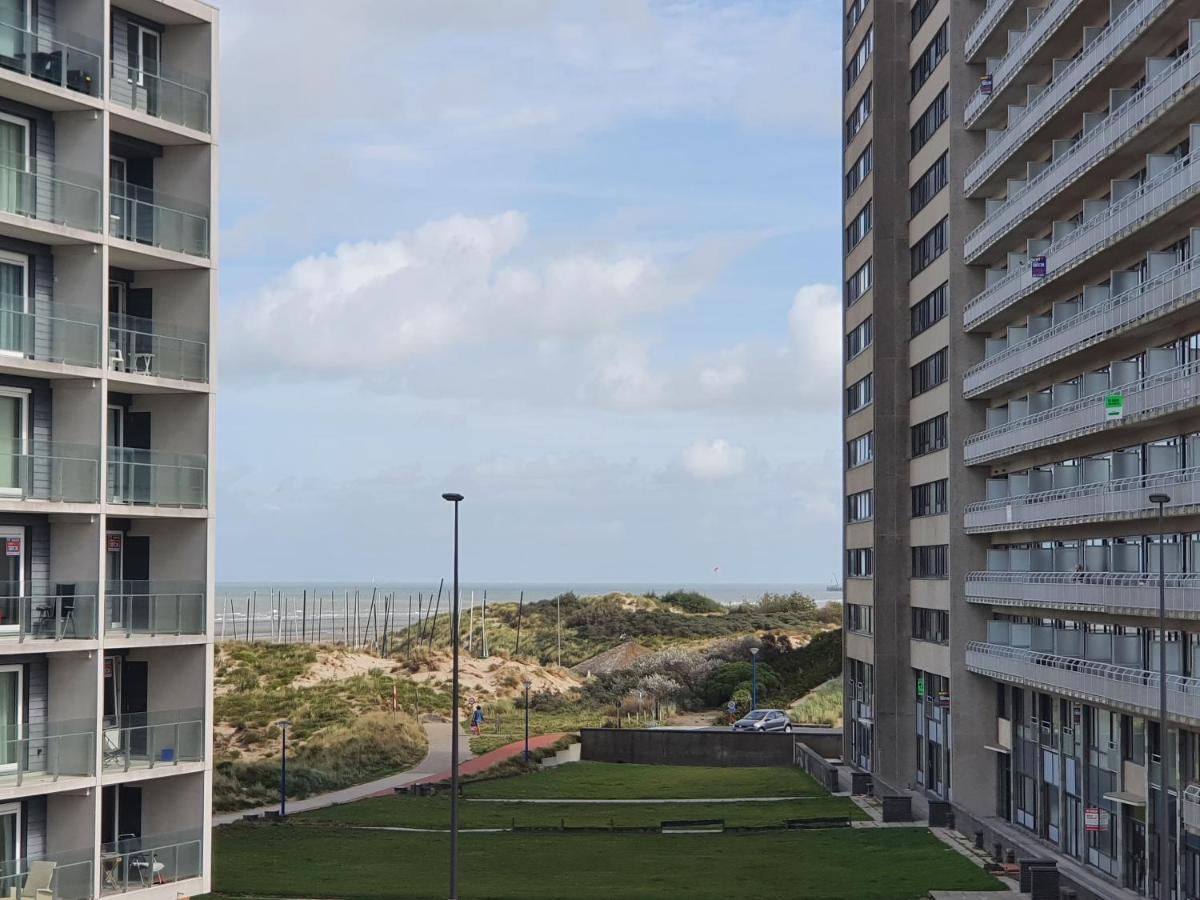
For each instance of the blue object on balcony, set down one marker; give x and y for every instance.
(166, 754)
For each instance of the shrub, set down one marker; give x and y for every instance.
(721, 684)
(691, 602)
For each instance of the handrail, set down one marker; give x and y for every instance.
(1115, 486)
(979, 31)
(1180, 684)
(1187, 580)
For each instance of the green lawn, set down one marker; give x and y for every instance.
(859, 864)
(434, 812)
(617, 781)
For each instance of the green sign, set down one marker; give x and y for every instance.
(1114, 406)
(920, 687)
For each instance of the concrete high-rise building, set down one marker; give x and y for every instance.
(108, 286)
(1022, 328)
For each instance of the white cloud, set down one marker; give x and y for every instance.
(714, 460)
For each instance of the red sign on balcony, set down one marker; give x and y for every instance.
(12, 546)
(114, 542)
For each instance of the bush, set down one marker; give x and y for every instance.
(794, 602)
(725, 680)
(691, 602)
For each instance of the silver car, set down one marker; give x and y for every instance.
(763, 720)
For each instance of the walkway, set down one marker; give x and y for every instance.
(438, 757)
(499, 755)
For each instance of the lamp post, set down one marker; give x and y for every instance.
(527, 684)
(284, 725)
(454, 702)
(1164, 829)
(753, 678)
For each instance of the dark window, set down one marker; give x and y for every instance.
(859, 171)
(931, 120)
(929, 185)
(931, 624)
(859, 339)
(929, 435)
(858, 118)
(928, 310)
(929, 373)
(920, 12)
(859, 394)
(854, 14)
(930, 561)
(929, 499)
(859, 450)
(859, 61)
(859, 618)
(858, 283)
(929, 247)
(860, 563)
(859, 227)
(930, 57)
(859, 507)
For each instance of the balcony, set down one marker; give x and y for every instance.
(44, 57)
(150, 739)
(1116, 593)
(47, 612)
(49, 470)
(1120, 499)
(1155, 198)
(1190, 808)
(145, 216)
(51, 333)
(43, 753)
(135, 608)
(1092, 324)
(1102, 683)
(68, 874)
(34, 189)
(134, 863)
(171, 95)
(140, 346)
(157, 478)
(992, 15)
(1169, 88)
(1035, 36)
(1122, 31)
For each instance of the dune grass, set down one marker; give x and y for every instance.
(822, 706)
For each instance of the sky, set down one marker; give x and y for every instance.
(578, 261)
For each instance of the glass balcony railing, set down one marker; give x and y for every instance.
(40, 55)
(164, 93)
(145, 347)
(35, 189)
(157, 478)
(133, 863)
(47, 751)
(48, 332)
(150, 739)
(49, 470)
(47, 612)
(147, 217)
(58, 876)
(154, 607)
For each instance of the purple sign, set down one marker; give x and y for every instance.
(1039, 267)
(985, 84)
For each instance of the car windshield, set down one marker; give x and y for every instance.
(757, 714)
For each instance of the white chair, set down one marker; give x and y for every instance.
(37, 883)
(116, 359)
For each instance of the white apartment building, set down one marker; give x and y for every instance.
(108, 300)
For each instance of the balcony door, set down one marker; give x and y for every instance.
(14, 21)
(14, 164)
(14, 440)
(10, 844)
(12, 576)
(14, 302)
(145, 50)
(11, 717)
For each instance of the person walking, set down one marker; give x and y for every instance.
(476, 719)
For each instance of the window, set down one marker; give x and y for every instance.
(861, 55)
(854, 14)
(929, 247)
(929, 499)
(930, 561)
(860, 450)
(929, 435)
(929, 373)
(929, 309)
(859, 339)
(858, 118)
(930, 57)
(860, 618)
(920, 12)
(858, 283)
(860, 563)
(859, 228)
(859, 507)
(931, 625)
(931, 120)
(859, 395)
(929, 185)
(859, 171)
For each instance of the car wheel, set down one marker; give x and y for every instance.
(787, 729)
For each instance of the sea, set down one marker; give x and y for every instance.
(297, 611)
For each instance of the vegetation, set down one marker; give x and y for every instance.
(821, 707)
(548, 714)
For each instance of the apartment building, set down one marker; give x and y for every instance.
(108, 280)
(1022, 375)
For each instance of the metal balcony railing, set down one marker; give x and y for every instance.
(148, 217)
(49, 470)
(1121, 498)
(1039, 31)
(1190, 808)
(1123, 593)
(48, 332)
(37, 189)
(1145, 107)
(150, 739)
(134, 863)
(43, 56)
(157, 478)
(1173, 187)
(165, 93)
(985, 24)
(1171, 290)
(47, 751)
(70, 876)
(1146, 398)
(1096, 682)
(44, 611)
(1123, 30)
(146, 347)
(154, 607)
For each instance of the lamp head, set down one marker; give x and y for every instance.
(1159, 498)
(528, 683)
(284, 724)
(754, 651)
(453, 498)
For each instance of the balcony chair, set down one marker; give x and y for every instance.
(37, 883)
(116, 359)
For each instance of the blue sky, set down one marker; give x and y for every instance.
(578, 261)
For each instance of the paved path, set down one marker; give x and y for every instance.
(438, 758)
(499, 755)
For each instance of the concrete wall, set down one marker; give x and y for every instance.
(704, 748)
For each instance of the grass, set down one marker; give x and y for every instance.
(512, 724)
(347, 864)
(608, 781)
(822, 706)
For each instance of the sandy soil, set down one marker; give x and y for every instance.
(338, 665)
(495, 677)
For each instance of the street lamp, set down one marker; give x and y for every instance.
(1164, 870)
(527, 684)
(284, 725)
(455, 499)
(753, 678)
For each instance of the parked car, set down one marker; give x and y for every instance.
(763, 720)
